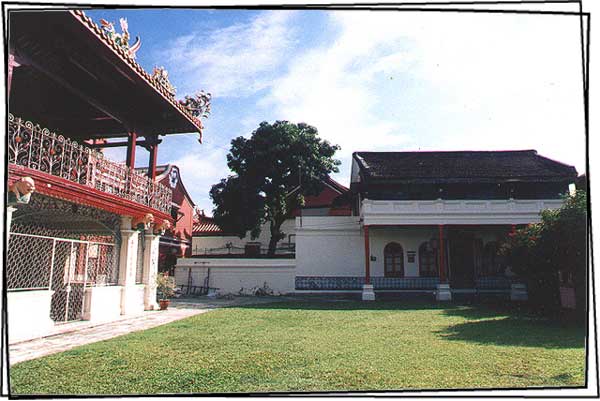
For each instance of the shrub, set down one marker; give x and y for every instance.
(558, 243)
(165, 286)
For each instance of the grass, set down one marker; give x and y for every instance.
(319, 346)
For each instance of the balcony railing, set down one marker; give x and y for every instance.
(37, 148)
(508, 211)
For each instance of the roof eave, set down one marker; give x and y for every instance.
(88, 23)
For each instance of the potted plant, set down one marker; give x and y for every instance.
(165, 287)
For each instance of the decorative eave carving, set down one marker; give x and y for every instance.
(127, 57)
(198, 105)
(161, 77)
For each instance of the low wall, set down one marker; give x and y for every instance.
(317, 283)
(29, 315)
(132, 299)
(235, 276)
(102, 304)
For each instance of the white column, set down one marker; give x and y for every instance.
(127, 266)
(150, 271)
(9, 212)
(368, 294)
(443, 292)
(518, 292)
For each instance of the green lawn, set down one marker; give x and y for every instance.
(319, 346)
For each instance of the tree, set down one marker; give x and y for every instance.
(273, 170)
(558, 243)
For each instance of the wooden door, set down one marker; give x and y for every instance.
(393, 260)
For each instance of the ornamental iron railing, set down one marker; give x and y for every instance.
(37, 148)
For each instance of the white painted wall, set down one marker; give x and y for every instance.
(334, 245)
(232, 276)
(329, 246)
(29, 315)
(132, 299)
(102, 304)
(410, 238)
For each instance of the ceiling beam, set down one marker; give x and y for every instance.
(124, 143)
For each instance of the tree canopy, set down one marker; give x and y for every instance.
(272, 171)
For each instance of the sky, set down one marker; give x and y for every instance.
(368, 81)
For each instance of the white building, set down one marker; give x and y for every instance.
(426, 222)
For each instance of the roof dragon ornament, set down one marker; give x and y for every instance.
(161, 76)
(121, 39)
(198, 105)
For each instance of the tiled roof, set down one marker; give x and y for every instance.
(87, 21)
(461, 166)
(339, 187)
(206, 226)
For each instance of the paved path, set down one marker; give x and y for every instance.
(62, 342)
(205, 302)
(80, 333)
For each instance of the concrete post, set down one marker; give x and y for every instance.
(150, 271)
(9, 212)
(518, 292)
(368, 294)
(443, 292)
(127, 266)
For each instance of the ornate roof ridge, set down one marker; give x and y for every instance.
(87, 21)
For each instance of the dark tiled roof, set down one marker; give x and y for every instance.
(461, 166)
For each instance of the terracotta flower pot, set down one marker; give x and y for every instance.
(163, 303)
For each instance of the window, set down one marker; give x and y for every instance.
(428, 261)
(393, 260)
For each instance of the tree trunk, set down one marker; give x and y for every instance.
(276, 235)
(272, 245)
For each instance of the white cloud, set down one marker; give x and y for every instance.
(397, 81)
(200, 170)
(233, 61)
(454, 81)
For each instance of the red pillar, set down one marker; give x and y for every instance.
(131, 143)
(441, 253)
(367, 257)
(513, 228)
(152, 161)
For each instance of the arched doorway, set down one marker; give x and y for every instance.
(393, 260)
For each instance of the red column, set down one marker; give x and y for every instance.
(131, 143)
(513, 228)
(441, 254)
(152, 161)
(367, 257)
